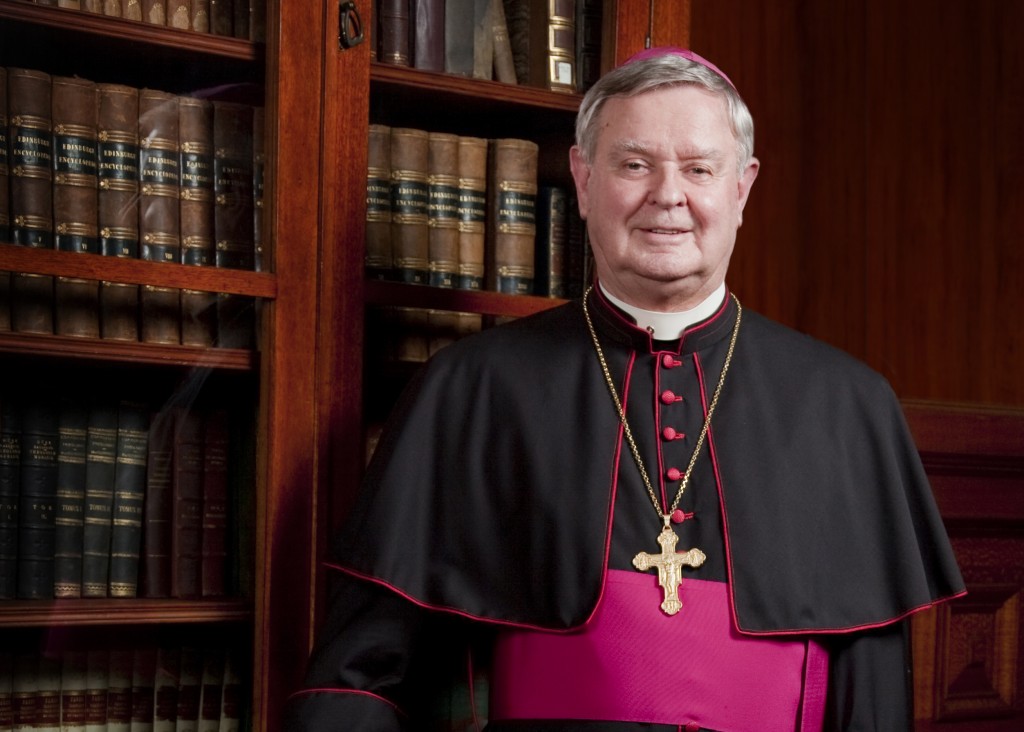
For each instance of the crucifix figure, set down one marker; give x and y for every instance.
(669, 564)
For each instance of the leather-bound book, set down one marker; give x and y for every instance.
(48, 693)
(100, 457)
(113, 8)
(221, 17)
(195, 134)
(6, 692)
(38, 493)
(483, 39)
(69, 509)
(24, 690)
(118, 204)
(5, 204)
(179, 14)
(543, 38)
(393, 32)
(459, 16)
(231, 694)
(379, 260)
(97, 678)
(549, 267)
(159, 228)
(259, 171)
(31, 176)
(504, 65)
(241, 21)
(10, 489)
(576, 248)
(472, 211)
(129, 496)
(588, 43)
(409, 227)
(158, 506)
(428, 34)
(211, 689)
(165, 688)
(92, 6)
(73, 702)
(258, 21)
(443, 208)
(233, 216)
(511, 219)
(119, 690)
(190, 678)
(75, 181)
(154, 12)
(215, 504)
(131, 9)
(143, 683)
(200, 16)
(187, 513)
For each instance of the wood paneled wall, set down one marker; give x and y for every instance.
(888, 217)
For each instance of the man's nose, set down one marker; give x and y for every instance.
(668, 187)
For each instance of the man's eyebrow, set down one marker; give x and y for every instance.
(638, 147)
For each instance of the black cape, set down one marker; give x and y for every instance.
(492, 490)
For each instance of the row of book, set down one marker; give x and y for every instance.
(112, 499)
(465, 212)
(551, 44)
(113, 170)
(246, 19)
(143, 689)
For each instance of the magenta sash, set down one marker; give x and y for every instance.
(632, 663)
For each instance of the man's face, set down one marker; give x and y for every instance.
(663, 196)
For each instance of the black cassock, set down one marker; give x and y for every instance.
(502, 490)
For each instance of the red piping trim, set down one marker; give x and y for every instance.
(357, 692)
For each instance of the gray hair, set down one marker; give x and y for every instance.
(639, 77)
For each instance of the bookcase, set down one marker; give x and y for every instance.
(295, 399)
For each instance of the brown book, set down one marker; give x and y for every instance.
(31, 176)
(549, 267)
(190, 680)
(179, 14)
(259, 169)
(221, 17)
(459, 16)
(200, 16)
(118, 205)
(211, 690)
(131, 9)
(543, 38)
(119, 690)
(472, 211)
(428, 34)
(233, 217)
(240, 21)
(112, 8)
(195, 135)
(92, 6)
(511, 219)
(258, 21)
(187, 509)
(5, 205)
(409, 227)
(75, 181)
(143, 691)
(589, 14)
(97, 679)
(393, 32)
(154, 12)
(379, 260)
(158, 506)
(165, 688)
(504, 66)
(483, 39)
(443, 208)
(73, 700)
(159, 228)
(215, 505)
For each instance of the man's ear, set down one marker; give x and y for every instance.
(580, 175)
(745, 183)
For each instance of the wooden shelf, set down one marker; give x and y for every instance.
(35, 613)
(133, 271)
(473, 301)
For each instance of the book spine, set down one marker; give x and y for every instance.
(589, 15)
(143, 692)
(443, 208)
(10, 488)
(379, 259)
(131, 10)
(221, 17)
(215, 504)
(159, 227)
(504, 65)
(561, 47)
(549, 269)
(159, 506)
(428, 34)
(165, 689)
(100, 458)
(240, 21)
(393, 32)
(38, 493)
(258, 21)
(129, 497)
(73, 699)
(187, 515)
(179, 14)
(72, 425)
(231, 694)
(48, 694)
(5, 204)
(119, 691)
(154, 12)
(472, 211)
(195, 129)
(92, 6)
(118, 204)
(211, 690)
(259, 170)
(190, 680)
(24, 691)
(483, 39)
(199, 20)
(409, 195)
(75, 181)
(459, 16)
(512, 224)
(112, 8)
(97, 679)
(31, 178)
(6, 690)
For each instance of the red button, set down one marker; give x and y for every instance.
(669, 397)
(673, 474)
(678, 516)
(670, 434)
(669, 362)
(692, 727)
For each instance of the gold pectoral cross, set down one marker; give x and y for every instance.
(669, 564)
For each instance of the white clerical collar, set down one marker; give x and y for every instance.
(669, 326)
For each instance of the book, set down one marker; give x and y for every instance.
(483, 39)
(472, 211)
(233, 216)
(10, 490)
(231, 694)
(187, 512)
(443, 208)
(393, 32)
(179, 14)
(129, 496)
(240, 21)
(31, 204)
(118, 204)
(159, 505)
(504, 65)
(97, 679)
(6, 690)
(259, 170)
(215, 503)
(258, 21)
(100, 459)
(195, 134)
(379, 261)
(24, 691)
(549, 266)
(511, 220)
(427, 20)
(112, 8)
(119, 690)
(190, 677)
(199, 17)
(36, 503)
(131, 9)
(589, 14)
(409, 194)
(159, 227)
(75, 182)
(72, 423)
(154, 12)
(73, 685)
(211, 690)
(143, 693)
(459, 31)
(165, 688)
(542, 34)
(221, 17)
(5, 205)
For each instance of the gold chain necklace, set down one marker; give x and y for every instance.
(669, 562)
